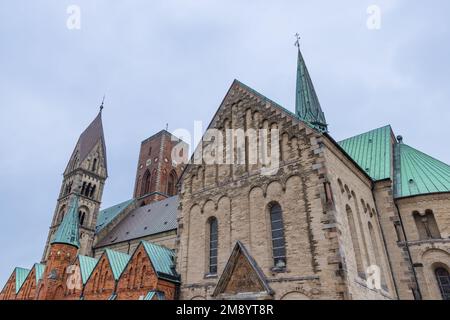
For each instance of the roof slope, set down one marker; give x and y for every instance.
(90, 137)
(87, 265)
(117, 261)
(21, 275)
(152, 294)
(419, 173)
(154, 218)
(372, 151)
(162, 260)
(39, 271)
(107, 215)
(68, 231)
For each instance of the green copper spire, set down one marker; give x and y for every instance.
(307, 106)
(68, 229)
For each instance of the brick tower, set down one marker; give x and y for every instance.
(86, 172)
(157, 175)
(63, 250)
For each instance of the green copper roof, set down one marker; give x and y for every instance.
(67, 232)
(39, 271)
(307, 104)
(372, 151)
(419, 173)
(117, 261)
(107, 215)
(152, 294)
(21, 275)
(162, 260)
(87, 265)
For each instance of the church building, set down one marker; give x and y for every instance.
(363, 218)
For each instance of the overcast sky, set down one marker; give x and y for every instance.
(172, 62)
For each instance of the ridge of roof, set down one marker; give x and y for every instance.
(372, 151)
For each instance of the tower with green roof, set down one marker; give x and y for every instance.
(63, 252)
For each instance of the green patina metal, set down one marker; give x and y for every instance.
(117, 261)
(372, 151)
(87, 265)
(419, 173)
(307, 106)
(151, 295)
(107, 215)
(68, 232)
(162, 260)
(39, 271)
(21, 275)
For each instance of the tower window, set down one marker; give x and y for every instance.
(278, 241)
(171, 184)
(426, 225)
(443, 280)
(213, 245)
(81, 217)
(94, 165)
(146, 183)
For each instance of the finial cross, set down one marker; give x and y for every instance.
(297, 42)
(103, 101)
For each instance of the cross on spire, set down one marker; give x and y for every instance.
(297, 42)
(103, 101)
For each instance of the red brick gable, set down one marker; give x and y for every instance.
(139, 278)
(101, 284)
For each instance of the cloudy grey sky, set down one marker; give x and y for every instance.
(173, 61)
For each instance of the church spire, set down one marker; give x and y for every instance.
(307, 106)
(68, 231)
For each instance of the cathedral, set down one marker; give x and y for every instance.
(363, 218)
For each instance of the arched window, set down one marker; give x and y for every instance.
(144, 271)
(171, 183)
(376, 251)
(443, 280)
(278, 241)
(426, 225)
(146, 183)
(354, 236)
(92, 192)
(81, 217)
(130, 276)
(94, 165)
(104, 280)
(213, 244)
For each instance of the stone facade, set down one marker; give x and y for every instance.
(318, 226)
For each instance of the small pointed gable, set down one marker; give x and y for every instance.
(39, 269)
(117, 261)
(242, 275)
(21, 276)
(162, 260)
(68, 232)
(87, 265)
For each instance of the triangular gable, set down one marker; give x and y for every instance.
(242, 275)
(162, 260)
(117, 262)
(21, 276)
(35, 274)
(87, 265)
(239, 86)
